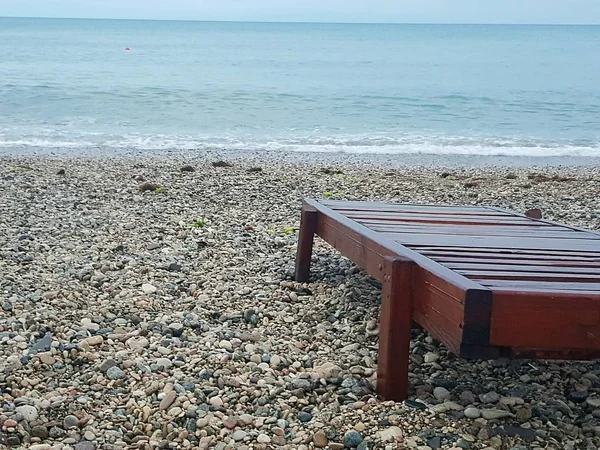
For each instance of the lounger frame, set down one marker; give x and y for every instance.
(495, 312)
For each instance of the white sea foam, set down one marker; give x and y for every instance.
(334, 144)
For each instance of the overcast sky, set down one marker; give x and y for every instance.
(428, 11)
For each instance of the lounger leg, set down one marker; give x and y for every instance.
(308, 226)
(394, 330)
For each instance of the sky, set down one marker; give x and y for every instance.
(395, 11)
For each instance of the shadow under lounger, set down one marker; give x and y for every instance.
(485, 282)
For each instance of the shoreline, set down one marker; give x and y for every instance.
(378, 159)
(169, 316)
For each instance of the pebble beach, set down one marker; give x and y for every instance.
(148, 302)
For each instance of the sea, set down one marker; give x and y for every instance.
(116, 85)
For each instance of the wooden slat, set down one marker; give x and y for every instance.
(541, 285)
(396, 235)
(546, 221)
(474, 230)
(501, 242)
(439, 218)
(499, 251)
(342, 205)
(469, 268)
(509, 260)
(532, 276)
(549, 321)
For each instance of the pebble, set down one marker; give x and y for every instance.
(320, 439)
(70, 421)
(472, 413)
(226, 345)
(352, 438)
(441, 394)
(493, 414)
(167, 400)
(216, 401)
(304, 416)
(431, 357)
(238, 435)
(148, 288)
(29, 413)
(48, 359)
(137, 343)
(114, 373)
(490, 397)
(263, 439)
(391, 434)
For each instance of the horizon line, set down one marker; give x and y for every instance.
(316, 22)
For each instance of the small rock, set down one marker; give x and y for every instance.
(320, 439)
(430, 357)
(391, 434)
(304, 416)
(523, 414)
(145, 187)
(226, 345)
(43, 345)
(594, 402)
(13, 441)
(238, 435)
(467, 398)
(300, 383)
(245, 419)
(93, 340)
(441, 394)
(70, 421)
(472, 413)
(176, 328)
(230, 422)
(352, 438)
(29, 413)
(107, 364)
(446, 406)
(48, 359)
(137, 343)
(174, 267)
(216, 401)
(187, 168)
(88, 435)
(222, 164)
(148, 289)
(167, 400)
(493, 414)
(39, 431)
(56, 432)
(490, 397)
(114, 373)
(164, 363)
(263, 439)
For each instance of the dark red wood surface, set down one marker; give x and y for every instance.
(532, 267)
(484, 281)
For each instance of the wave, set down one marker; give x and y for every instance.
(377, 144)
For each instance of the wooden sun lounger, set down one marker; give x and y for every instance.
(485, 282)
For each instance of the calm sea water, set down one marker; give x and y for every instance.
(486, 90)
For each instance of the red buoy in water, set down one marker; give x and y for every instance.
(127, 49)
